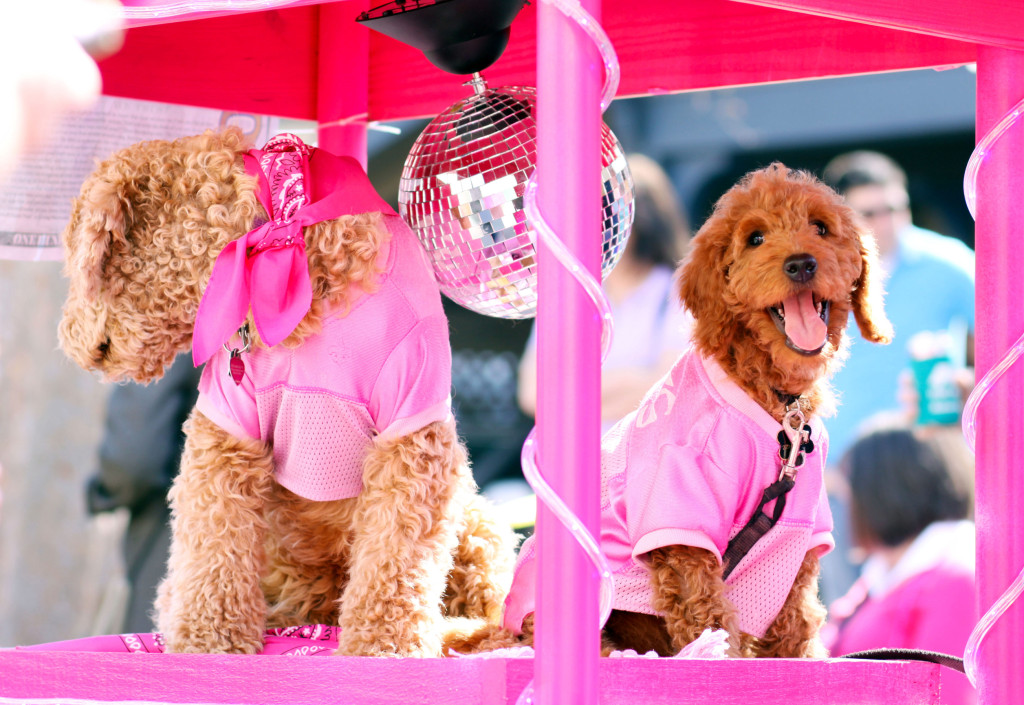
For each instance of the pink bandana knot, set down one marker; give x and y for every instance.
(266, 269)
(284, 162)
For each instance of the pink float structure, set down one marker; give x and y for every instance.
(312, 61)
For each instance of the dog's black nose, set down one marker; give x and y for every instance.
(800, 268)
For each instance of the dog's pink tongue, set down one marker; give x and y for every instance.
(804, 326)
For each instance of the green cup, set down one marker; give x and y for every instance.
(938, 396)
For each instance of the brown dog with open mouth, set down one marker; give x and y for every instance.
(714, 513)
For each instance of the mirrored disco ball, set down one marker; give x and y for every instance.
(462, 193)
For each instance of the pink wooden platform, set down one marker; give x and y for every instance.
(63, 677)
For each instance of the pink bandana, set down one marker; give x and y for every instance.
(266, 269)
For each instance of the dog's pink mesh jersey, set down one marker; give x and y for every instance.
(384, 368)
(688, 468)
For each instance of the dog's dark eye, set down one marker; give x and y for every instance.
(755, 238)
(822, 229)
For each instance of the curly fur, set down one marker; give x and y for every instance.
(794, 633)
(473, 636)
(471, 591)
(416, 481)
(247, 553)
(688, 593)
(728, 284)
(144, 234)
(214, 602)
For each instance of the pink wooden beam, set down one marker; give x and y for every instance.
(266, 61)
(995, 22)
(262, 62)
(568, 355)
(146, 13)
(27, 677)
(667, 46)
(1000, 321)
(343, 79)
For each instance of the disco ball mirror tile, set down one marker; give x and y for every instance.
(462, 193)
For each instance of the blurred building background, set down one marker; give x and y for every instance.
(59, 575)
(706, 140)
(922, 119)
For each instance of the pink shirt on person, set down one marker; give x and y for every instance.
(688, 467)
(383, 368)
(925, 601)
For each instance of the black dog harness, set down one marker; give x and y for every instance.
(794, 443)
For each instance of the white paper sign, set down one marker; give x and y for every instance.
(35, 200)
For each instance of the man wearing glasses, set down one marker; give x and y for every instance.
(929, 286)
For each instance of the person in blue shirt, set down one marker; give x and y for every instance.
(929, 286)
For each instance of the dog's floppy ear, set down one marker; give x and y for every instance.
(97, 226)
(702, 284)
(99, 218)
(867, 294)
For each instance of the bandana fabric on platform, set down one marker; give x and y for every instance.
(266, 269)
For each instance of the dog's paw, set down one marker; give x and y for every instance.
(193, 639)
(420, 647)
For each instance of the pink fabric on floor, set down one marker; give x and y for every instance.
(311, 640)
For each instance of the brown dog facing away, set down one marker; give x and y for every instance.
(770, 280)
(415, 545)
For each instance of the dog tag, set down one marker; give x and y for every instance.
(236, 368)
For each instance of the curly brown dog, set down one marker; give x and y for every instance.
(770, 280)
(416, 544)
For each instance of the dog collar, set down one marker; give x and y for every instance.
(266, 269)
(787, 400)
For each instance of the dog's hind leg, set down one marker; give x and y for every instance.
(403, 540)
(640, 632)
(794, 633)
(307, 558)
(211, 601)
(483, 561)
(299, 594)
(472, 636)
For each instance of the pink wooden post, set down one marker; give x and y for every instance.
(1000, 321)
(343, 79)
(568, 346)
